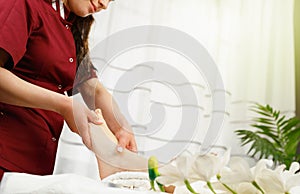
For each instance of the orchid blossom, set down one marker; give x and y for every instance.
(239, 171)
(179, 173)
(209, 165)
(236, 178)
(279, 181)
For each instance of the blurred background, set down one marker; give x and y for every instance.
(254, 43)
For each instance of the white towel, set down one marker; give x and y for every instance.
(21, 183)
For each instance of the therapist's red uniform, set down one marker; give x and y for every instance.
(43, 52)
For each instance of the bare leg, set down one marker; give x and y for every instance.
(106, 169)
(110, 161)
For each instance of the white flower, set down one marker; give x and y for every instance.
(279, 181)
(209, 165)
(177, 172)
(239, 171)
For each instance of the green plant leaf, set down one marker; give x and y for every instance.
(292, 122)
(268, 132)
(264, 121)
(264, 148)
(274, 136)
(259, 145)
(264, 128)
(280, 121)
(292, 144)
(262, 113)
(284, 123)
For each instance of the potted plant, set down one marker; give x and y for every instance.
(275, 136)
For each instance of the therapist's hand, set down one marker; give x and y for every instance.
(77, 116)
(125, 137)
(125, 140)
(96, 96)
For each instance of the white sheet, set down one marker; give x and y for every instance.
(20, 183)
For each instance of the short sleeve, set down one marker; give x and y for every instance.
(16, 21)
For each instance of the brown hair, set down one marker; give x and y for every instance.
(81, 28)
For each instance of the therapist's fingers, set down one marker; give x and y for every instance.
(98, 112)
(132, 146)
(91, 117)
(95, 117)
(128, 145)
(126, 140)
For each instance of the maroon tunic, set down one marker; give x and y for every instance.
(43, 53)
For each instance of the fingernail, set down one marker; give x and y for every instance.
(100, 120)
(120, 149)
(98, 111)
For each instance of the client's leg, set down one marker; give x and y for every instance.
(106, 169)
(104, 145)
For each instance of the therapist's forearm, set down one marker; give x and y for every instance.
(16, 91)
(111, 112)
(96, 96)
